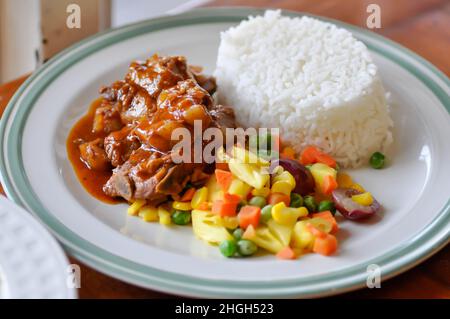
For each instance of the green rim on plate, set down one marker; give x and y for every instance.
(411, 252)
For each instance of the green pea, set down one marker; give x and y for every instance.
(180, 217)
(258, 201)
(310, 203)
(377, 160)
(296, 200)
(237, 233)
(228, 248)
(266, 213)
(326, 205)
(246, 247)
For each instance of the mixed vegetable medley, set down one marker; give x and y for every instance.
(284, 204)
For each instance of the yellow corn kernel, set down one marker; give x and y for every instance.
(285, 176)
(344, 180)
(364, 199)
(200, 196)
(164, 216)
(134, 208)
(182, 205)
(282, 187)
(264, 192)
(238, 187)
(287, 215)
(149, 213)
(358, 187)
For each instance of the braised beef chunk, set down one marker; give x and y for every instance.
(120, 145)
(223, 117)
(158, 73)
(120, 184)
(137, 118)
(107, 119)
(93, 155)
(206, 82)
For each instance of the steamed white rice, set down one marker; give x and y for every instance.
(312, 80)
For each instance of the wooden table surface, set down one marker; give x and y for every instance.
(421, 25)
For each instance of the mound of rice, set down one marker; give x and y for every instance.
(311, 79)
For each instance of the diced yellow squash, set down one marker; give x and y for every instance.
(344, 180)
(302, 237)
(229, 222)
(249, 173)
(285, 176)
(364, 199)
(246, 157)
(164, 216)
(287, 215)
(205, 227)
(249, 233)
(281, 232)
(282, 187)
(240, 188)
(200, 196)
(264, 192)
(149, 213)
(264, 238)
(136, 206)
(214, 190)
(182, 205)
(319, 171)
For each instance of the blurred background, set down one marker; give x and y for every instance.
(32, 31)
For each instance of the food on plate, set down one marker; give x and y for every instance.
(313, 80)
(353, 204)
(278, 193)
(122, 148)
(377, 160)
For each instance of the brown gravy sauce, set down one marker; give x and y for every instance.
(92, 180)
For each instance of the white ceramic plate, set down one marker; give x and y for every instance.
(414, 188)
(32, 265)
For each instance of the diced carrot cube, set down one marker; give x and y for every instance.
(187, 196)
(315, 231)
(286, 253)
(275, 198)
(325, 245)
(249, 215)
(223, 208)
(309, 155)
(224, 179)
(329, 184)
(326, 159)
(231, 198)
(222, 166)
